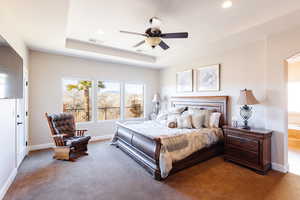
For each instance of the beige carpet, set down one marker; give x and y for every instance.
(109, 174)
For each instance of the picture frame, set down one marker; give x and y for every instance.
(184, 81)
(208, 78)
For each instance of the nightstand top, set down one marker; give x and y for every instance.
(252, 130)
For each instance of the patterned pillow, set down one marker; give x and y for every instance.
(206, 113)
(214, 120)
(184, 122)
(198, 120)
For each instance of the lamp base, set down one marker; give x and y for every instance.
(245, 126)
(246, 113)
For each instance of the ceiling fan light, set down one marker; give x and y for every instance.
(153, 41)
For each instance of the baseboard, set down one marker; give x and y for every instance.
(21, 156)
(280, 168)
(50, 145)
(101, 137)
(7, 184)
(41, 146)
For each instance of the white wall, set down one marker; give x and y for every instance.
(280, 47)
(47, 71)
(259, 66)
(8, 166)
(240, 68)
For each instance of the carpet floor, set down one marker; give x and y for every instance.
(109, 174)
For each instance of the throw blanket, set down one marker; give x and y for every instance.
(177, 144)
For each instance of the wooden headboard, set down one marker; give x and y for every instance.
(216, 103)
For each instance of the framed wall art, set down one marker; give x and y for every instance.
(208, 78)
(184, 81)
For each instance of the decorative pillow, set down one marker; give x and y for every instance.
(184, 122)
(172, 124)
(207, 113)
(177, 110)
(173, 117)
(198, 120)
(162, 116)
(214, 120)
(185, 113)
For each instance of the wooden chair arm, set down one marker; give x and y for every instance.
(59, 139)
(80, 132)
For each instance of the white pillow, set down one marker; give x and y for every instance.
(214, 120)
(177, 110)
(173, 117)
(162, 116)
(184, 122)
(185, 113)
(198, 120)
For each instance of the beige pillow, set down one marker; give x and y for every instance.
(198, 120)
(214, 120)
(207, 113)
(184, 122)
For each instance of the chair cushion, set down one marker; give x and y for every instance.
(76, 140)
(63, 123)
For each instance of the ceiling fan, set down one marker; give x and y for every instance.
(154, 35)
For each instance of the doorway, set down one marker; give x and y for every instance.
(293, 87)
(22, 122)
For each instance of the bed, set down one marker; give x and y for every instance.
(145, 148)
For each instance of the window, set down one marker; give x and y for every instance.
(77, 99)
(108, 100)
(134, 101)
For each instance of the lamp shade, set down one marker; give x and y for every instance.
(156, 98)
(247, 98)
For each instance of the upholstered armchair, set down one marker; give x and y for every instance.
(69, 142)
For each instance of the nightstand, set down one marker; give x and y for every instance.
(251, 148)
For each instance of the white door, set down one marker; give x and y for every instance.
(21, 123)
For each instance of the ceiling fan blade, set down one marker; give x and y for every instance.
(134, 33)
(175, 35)
(163, 45)
(139, 44)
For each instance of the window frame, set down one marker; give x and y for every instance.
(96, 99)
(92, 96)
(94, 93)
(144, 102)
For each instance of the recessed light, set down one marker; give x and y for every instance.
(94, 40)
(227, 4)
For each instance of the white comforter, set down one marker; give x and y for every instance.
(177, 144)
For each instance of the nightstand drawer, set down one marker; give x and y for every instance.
(247, 156)
(242, 142)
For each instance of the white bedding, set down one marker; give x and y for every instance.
(177, 144)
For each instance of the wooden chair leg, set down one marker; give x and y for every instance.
(62, 153)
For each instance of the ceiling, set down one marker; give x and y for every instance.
(47, 25)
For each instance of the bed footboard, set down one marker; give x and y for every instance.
(142, 149)
(146, 151)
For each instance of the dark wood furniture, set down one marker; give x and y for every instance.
(146, 150)
(69, 142)
(251, 148)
